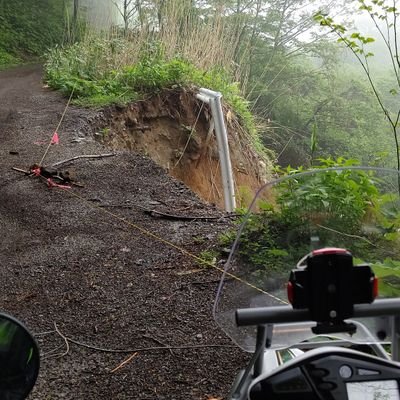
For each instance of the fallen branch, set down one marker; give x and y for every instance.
(82, 156)
(159, 214)
(124, 363)
(47, 174)
(142, 349)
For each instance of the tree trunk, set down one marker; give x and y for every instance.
(76, 12)
(126, 18)
(75, 22)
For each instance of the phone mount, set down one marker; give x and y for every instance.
(328, 290)
(329, 286)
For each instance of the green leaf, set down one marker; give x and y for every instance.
(314, 139)
(366, 8)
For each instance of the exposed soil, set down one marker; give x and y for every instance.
(173, 129)
(93, 262)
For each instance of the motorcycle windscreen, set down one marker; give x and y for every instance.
(352, 208)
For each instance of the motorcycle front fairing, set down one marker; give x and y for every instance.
(352, 208)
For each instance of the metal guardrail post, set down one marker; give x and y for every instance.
(214, 100)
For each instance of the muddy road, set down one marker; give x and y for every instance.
(89, 263)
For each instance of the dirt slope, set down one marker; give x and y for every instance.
(83, 260)
(173, 129)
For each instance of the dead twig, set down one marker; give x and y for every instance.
(142, 349)
(124, 362)
(115, 206)
(50, 353)
(57, 164)
(157, 341)
(347, 235)
(79, 185)
(21, 170)
(159, 214)
(65, 339)
(59, 178)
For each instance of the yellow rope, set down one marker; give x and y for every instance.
(167, 242)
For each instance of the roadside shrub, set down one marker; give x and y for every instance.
(340, 197)
(343, 205)
(7, 59)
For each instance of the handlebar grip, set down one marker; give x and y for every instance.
(286, 314)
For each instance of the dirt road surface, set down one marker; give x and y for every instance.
(82, 260)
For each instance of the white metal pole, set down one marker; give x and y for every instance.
(225, 159)
(214, 100)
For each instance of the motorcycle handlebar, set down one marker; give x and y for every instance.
(286, 314)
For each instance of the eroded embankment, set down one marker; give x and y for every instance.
(173, 128)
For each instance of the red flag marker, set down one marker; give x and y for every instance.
(55, 139)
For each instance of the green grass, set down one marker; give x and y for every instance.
(111, 70)
(97, 81)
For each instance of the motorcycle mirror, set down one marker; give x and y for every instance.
(19, 359)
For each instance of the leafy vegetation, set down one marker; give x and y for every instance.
(85, 70)
(334, 204)
(342, 197)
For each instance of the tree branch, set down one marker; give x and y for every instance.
(57, 164)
